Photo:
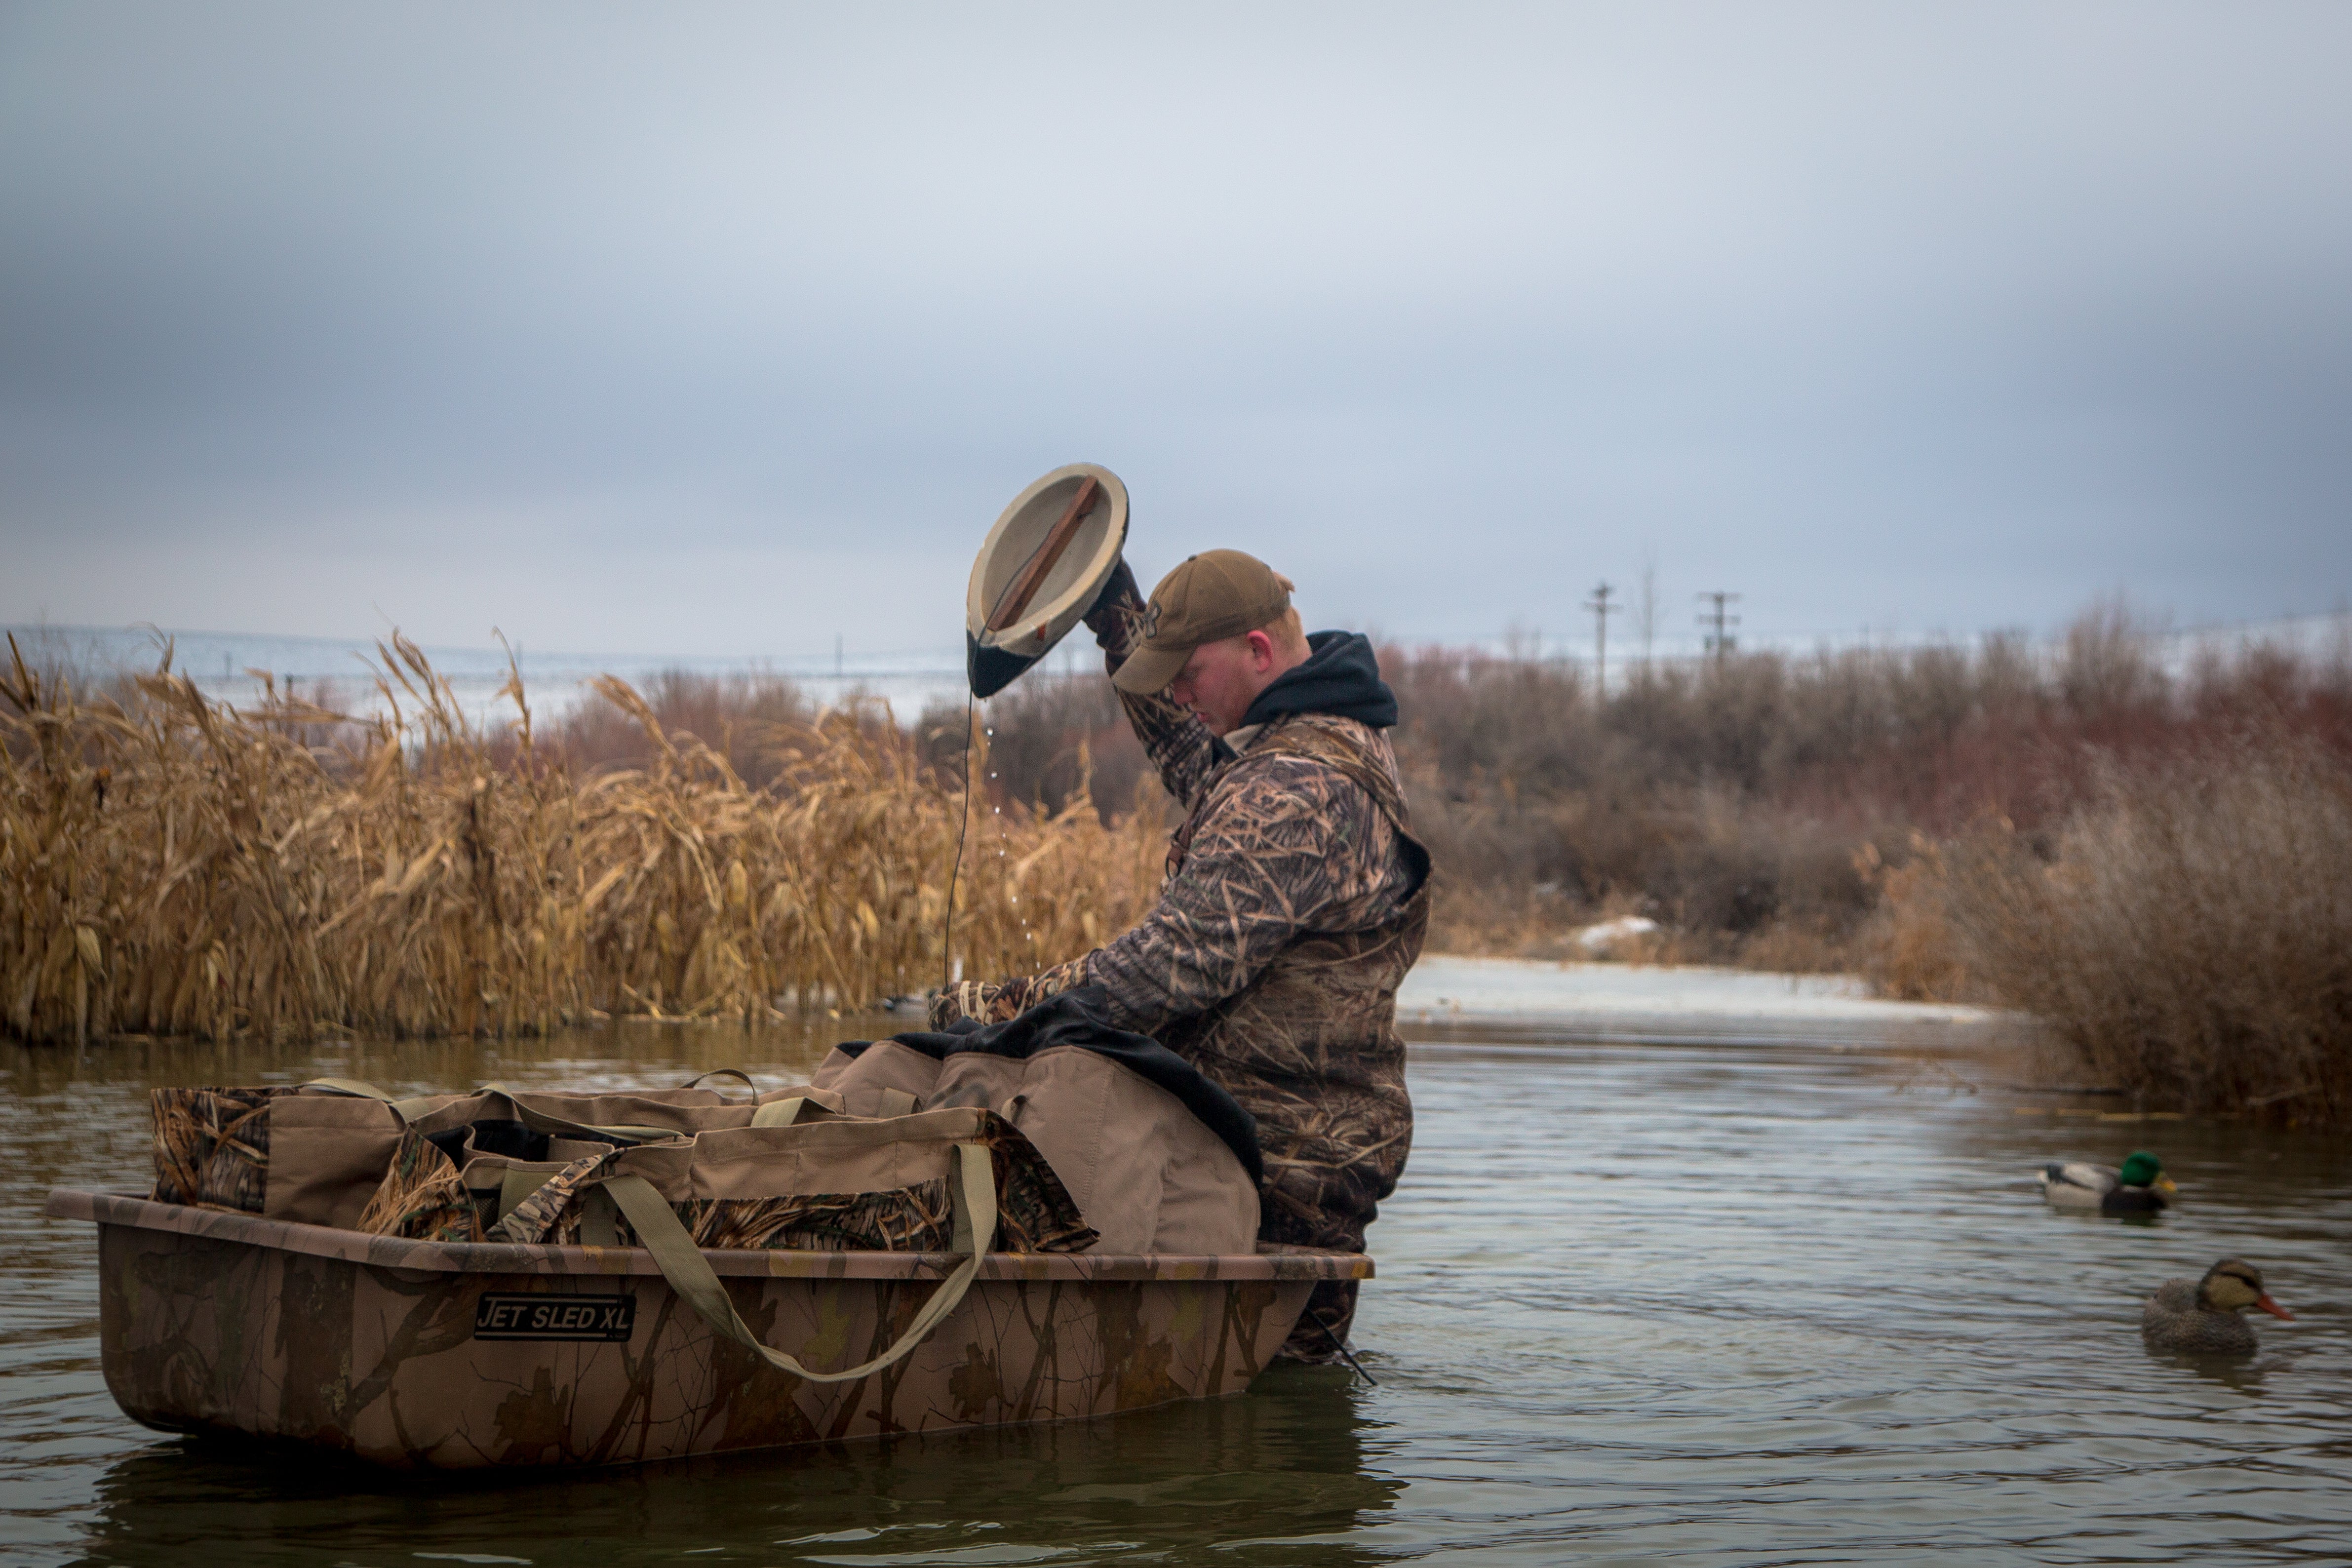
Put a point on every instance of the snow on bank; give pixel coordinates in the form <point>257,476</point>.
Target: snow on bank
<point>1667,1003</point>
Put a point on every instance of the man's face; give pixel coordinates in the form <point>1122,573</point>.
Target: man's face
<point>1221,680</point>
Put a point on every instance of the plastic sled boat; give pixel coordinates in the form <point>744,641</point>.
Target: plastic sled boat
<point>453,1355</point>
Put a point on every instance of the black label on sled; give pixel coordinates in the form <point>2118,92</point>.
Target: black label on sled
<point>603,1319</point>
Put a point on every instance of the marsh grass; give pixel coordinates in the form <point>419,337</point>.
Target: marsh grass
<point>172,865</point>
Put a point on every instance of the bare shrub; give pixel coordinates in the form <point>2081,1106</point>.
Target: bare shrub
<point>1678,798</point>
<point>2105,666</point>
<point>743,717</point>
<point>1908,949</point>
<point>1769,808</point>
<point>2192,938</point>
<point>1053,738</point>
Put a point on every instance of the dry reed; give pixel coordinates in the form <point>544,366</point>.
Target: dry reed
<point>170,865</point>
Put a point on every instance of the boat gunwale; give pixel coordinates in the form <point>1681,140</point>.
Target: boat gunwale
<point>511,1258</point>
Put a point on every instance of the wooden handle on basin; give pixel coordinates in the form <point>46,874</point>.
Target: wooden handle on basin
<point>1024,586</point>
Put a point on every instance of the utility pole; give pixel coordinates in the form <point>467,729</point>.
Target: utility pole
<point>1600,607</point>
<point>1719,640</point>
<point>1645,615</point>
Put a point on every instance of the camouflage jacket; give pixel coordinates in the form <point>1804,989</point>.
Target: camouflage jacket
<point>1295,901</point>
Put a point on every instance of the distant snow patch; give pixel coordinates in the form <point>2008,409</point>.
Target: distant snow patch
<point>1601,940</point>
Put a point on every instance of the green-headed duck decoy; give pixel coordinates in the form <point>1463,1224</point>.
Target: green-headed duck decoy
<point>2140,1187</point>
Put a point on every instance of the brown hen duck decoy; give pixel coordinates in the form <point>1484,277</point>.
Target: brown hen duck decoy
<point>2201,1318</point>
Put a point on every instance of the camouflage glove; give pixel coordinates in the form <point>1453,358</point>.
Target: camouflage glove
<point>979,1000</point>
<point>1119,599</point>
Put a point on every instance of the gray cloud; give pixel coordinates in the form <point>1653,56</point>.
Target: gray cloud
<point>726,330</point>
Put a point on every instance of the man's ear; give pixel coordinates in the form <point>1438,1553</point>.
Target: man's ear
<point>1261,648</point>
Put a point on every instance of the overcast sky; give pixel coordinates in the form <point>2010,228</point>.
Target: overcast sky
<point>717,331</point>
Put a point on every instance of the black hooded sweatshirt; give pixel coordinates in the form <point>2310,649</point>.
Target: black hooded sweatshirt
<point>1340,676</point>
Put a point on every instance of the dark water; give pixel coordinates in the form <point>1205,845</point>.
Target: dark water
<point>1637,1304</point>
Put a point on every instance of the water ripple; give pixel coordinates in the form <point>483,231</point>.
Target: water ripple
<point>1718,1304</point>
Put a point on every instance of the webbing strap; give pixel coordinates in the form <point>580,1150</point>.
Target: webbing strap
<point>600,1219</point>
<point>406,1110</point>
<point>972,1194</point>
<point>517,1183</point>
<point>780,1112</point>
<point>722,1072</point>
<point>896,1102</point>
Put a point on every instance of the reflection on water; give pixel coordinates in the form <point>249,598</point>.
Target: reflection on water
<point>1718,1304</point>
<point>1283,1464</point>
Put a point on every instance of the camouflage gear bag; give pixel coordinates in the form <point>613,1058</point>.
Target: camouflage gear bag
<point>1160,1158</point>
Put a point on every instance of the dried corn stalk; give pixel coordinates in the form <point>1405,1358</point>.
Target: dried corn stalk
<point>169,865</point>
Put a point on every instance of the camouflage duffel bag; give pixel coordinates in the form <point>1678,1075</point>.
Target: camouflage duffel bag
<point>962,1181</point>
<point>1161,1159</point>
<point>674,1173</point>
<point>316,1154</point>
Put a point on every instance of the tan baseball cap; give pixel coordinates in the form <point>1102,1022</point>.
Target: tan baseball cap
<point>1215,594</point>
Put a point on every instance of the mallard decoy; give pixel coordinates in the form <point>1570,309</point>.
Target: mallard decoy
<point>2140,1187</point>
<point>2201,1318</point>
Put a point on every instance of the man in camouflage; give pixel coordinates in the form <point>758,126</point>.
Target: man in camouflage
<point>1296,896</point>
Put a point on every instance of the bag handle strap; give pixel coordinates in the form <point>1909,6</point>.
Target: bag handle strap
<point>971,1188</point>
<point>722,1072</point>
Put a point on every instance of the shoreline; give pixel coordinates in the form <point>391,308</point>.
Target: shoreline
<point>1672,1003</point>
